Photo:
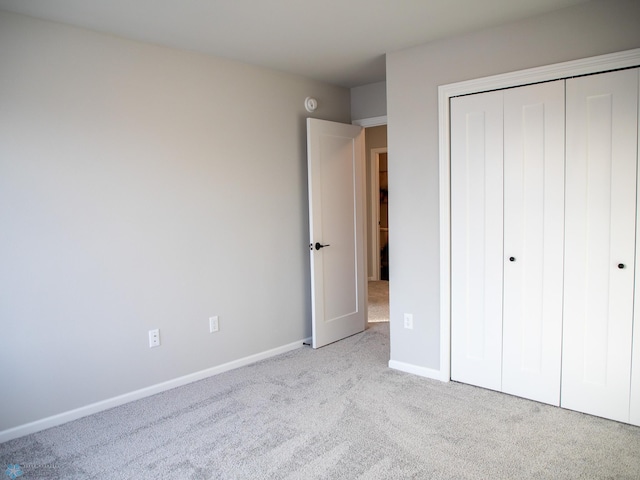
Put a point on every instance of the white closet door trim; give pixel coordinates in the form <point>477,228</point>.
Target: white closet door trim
<point>602,63</point>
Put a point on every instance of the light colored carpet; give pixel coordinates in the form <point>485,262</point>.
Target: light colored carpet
<point>378,301</point>
<point>334,413</point>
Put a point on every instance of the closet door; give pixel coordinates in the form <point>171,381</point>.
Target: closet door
<point>476,239</point>
<point>600,214</point>
<point>634,411</point>
<point>533,240</point>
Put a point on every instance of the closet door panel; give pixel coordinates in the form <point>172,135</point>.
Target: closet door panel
<point>634,412</point>
<point>477,236</point>
<point>600,235</point>
<point>533,240</point>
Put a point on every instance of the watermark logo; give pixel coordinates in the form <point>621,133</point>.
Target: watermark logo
<point>13,471</point>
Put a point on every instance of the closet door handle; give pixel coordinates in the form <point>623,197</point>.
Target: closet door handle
<point>512,259</point>
<point>621,266</point>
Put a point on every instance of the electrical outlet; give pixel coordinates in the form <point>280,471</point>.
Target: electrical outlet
<point>408,321</point>
<point>154,338</point>
<point>214,324</point>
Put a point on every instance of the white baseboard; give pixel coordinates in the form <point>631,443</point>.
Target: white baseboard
<point>55,420</point>
<point>416,370</point>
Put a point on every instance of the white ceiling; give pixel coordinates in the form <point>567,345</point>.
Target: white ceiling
<point>338,41</point>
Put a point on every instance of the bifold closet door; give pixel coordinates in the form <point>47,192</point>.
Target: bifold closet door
<point>601,157</point>
<point>476,239</point>
<point>533,241</point>
<point>634,410</point>
<point>507,184</point>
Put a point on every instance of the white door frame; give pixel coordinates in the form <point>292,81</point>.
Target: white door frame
<point>374,200</point>
<point>371,122</point>
<point>601,63</point>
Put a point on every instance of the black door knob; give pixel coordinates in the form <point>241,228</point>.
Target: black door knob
<point>512,259</point>
<point>319,245</point>
<point>621,266</point>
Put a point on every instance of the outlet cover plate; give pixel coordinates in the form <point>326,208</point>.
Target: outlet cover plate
<point>408,321</point>
<point>154,338</point>
<point>214,324</point>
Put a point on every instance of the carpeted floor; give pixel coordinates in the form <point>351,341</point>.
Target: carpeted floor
<point>334,413</point>
<point>378,301</point>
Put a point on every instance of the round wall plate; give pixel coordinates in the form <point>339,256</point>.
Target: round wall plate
<point>310,104</point>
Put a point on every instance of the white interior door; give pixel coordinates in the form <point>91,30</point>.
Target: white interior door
<point>533,240</point>
<point>602,116</point>
<point>335,154</point>
<point>476,239</point>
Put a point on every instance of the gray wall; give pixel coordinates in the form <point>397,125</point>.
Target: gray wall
<point>369,101</point>
<point>143,187</point>
<point>413,76</point>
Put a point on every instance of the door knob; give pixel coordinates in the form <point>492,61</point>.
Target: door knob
<point>621,266</point>
<point>512,259</point>
<point>319,245</point>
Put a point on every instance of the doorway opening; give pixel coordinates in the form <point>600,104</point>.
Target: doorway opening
<point>378,223</point>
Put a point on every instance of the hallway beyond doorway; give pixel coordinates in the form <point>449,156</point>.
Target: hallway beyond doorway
<point>378,301</point>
